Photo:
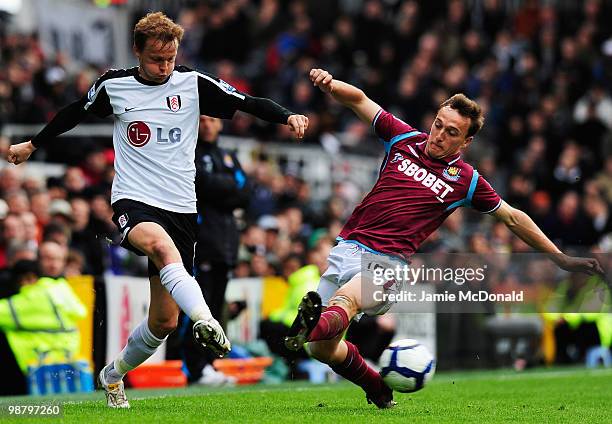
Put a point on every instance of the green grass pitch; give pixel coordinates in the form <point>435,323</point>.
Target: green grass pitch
<point>547,395</point>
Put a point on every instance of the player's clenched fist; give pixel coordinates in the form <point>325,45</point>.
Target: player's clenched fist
<point>589,266</point>
<point>298,124</point>
<point>322,79</point>
<point>18,153</point>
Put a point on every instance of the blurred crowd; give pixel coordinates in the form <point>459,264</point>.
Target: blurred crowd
<point>542,72</point>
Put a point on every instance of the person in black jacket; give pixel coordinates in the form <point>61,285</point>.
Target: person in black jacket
<point>221,188</point>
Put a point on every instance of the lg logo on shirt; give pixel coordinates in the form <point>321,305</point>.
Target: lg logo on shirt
<point>139,134</point>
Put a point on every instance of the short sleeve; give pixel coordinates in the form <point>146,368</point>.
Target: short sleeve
<point>217,98</point>
<point>391,129</point>
<point>485,198</point>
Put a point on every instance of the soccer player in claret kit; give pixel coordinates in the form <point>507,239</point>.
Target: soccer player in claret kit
<point>156,108</point>
<point>422,181</point>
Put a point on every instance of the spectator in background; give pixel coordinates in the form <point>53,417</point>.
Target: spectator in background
<point>263,200</point>
<point>32,231</point>
<point>597,211</point>
<point>75,180</point>
<point>10,181</point>
<point>93,169</point>
<point>22,274</point>
<point>568,173</point>
<point>596,103</point>
<point>56,188</point>
<point>17,202</point>
<point>452,232</point>
<point>603,180</point>
<point>20,251</point>
<point>52,259</point>
<point>590,135</point>
<point>270,224</point>
<point>260,267</point>
<point>85,239</point>
<point>75,264</point>
<point>581,317</point>
<point>540,208</point>
<point>46,303</point>
<point>40,203</point>
<point>568,225</point>
<point>58,233</point>
<point>60,211</point>
<point>252,242</point>
<point>13,239</point>
<point>274,329</point>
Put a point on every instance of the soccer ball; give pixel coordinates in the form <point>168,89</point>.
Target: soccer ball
<point>406,366</point>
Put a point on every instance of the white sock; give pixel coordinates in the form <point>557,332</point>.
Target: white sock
<point>141,344</point>
<point>185,291</point>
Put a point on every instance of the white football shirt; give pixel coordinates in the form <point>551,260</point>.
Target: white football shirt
<point>156,131</point>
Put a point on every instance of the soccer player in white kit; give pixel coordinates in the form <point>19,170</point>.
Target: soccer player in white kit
<point>156,108</point>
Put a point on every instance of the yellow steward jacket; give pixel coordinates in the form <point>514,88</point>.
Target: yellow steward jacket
<point>300,282</point>
<point>40,322</point>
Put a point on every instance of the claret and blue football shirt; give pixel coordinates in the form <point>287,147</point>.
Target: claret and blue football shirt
<point>414,192</point>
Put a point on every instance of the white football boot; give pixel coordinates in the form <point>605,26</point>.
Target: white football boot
<point>115,392</point>
<point>210,335</point>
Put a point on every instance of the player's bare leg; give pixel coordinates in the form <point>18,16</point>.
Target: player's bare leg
<point>326,344</point>
<point>142,343</point>
<point>153,240</point>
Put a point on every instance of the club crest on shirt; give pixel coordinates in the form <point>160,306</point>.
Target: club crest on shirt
<point>174,103</point>
<point>227,160</point>
<point>451,173</point>
<point>397,158</point>
<point>123,220</point>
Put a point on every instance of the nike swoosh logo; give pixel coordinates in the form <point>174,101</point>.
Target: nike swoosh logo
<point>127,109</point>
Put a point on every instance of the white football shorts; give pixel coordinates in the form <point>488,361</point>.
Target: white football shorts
<point>348,259</point>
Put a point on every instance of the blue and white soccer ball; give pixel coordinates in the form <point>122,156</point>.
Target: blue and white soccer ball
<point>406,366</point>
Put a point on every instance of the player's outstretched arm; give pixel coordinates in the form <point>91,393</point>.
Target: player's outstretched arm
<point>523,226</point>
<point>347,94</point>
<point>270,111</point>
<point>65,120</point>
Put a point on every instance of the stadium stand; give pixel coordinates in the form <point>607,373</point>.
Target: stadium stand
<point>542,71</point>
